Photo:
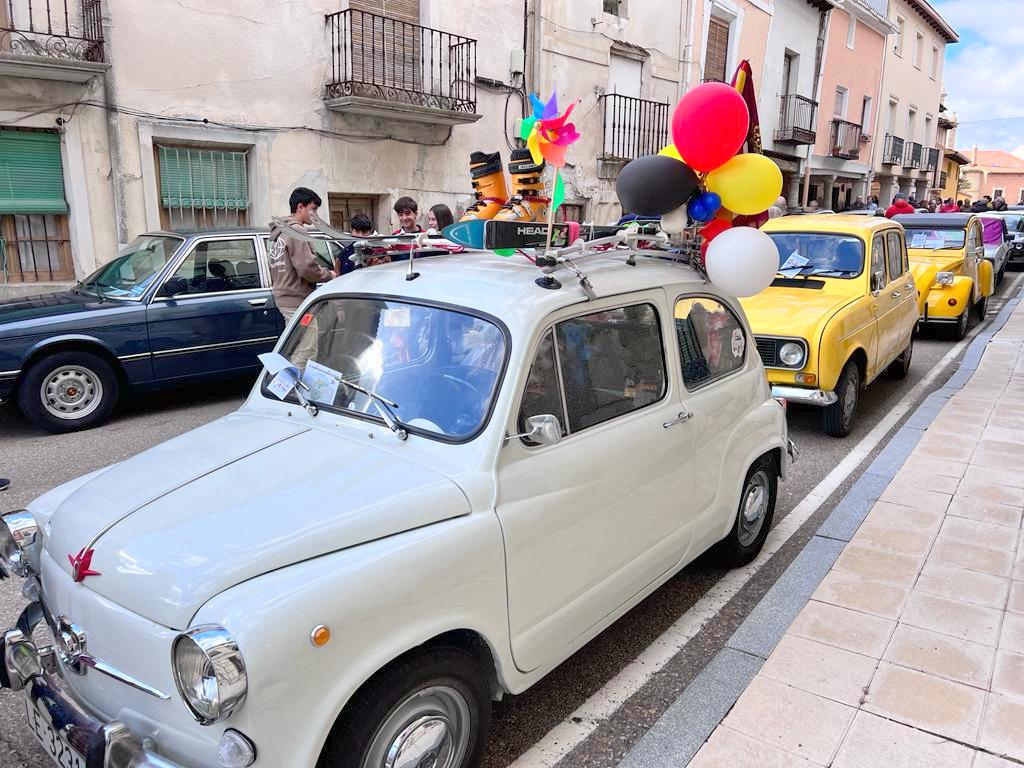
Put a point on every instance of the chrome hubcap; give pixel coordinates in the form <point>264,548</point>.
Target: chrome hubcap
<point>753,508</point>
<point>429,729</point>
<point>71,392</point>
<point>849,399</point>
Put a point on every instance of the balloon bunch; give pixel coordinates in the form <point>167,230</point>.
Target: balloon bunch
<point>700,176</point>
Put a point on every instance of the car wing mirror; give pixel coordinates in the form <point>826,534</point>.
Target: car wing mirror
<point>877,281</point>
<point>173,286</point>
<point>543,430</point>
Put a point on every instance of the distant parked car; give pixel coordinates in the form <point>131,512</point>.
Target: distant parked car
<point>1014,219</point>
<point>172,307</point>
<point>996,238</point>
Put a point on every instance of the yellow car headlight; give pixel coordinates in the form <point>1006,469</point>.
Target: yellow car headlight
<point>944,278</point>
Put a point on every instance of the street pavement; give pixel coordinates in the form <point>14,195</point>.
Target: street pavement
<point>593,709</point>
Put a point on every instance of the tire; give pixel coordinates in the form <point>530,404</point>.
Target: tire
<point>981,308</point>
<point>446,684</point>
<point>837,419</point>
<point>68,391</point>
<point>754,515</point>
<point>960,329</point>
<point>1001,274</point>
<point>900,367</point>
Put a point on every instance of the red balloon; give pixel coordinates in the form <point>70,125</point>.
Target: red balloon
<point>713,229</point>
<point>756,221</point>
<point>710,125</point>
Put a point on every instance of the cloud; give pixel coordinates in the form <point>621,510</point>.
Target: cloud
<point>983,73</point>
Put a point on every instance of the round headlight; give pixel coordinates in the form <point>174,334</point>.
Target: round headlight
<point>210,673</point>
<point>792,354</point>
<point>19,543</point>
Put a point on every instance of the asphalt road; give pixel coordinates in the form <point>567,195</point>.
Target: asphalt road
<point>37,462</point>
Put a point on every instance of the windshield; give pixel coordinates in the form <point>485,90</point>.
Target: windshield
<point>814,253</point>
<point>935,239</point>
<point>440,366</point>
<point>135,268</point>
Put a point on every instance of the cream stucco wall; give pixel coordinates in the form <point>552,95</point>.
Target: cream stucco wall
<point>794,30</point>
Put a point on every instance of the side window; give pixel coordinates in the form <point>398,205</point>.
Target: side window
<point>896,259</point>
<point>217,266</point>
<point>542,394</point>
<point>877,256</point>
<point>711,340</point>
<point>612,362</point>
<point>972,238</point>
<point>324,251</point>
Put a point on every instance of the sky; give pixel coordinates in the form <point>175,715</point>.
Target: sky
<point>984,72</point>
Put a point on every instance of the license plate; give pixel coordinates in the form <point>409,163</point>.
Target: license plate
<point>51,741</point>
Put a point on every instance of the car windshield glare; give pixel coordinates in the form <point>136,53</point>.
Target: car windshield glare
<point>935,239</point>
<point>819,253</point>
<point>135,269</point>
<point>441,366</point>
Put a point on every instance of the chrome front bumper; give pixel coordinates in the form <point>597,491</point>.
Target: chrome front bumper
<point>34,671</point>
<point>803,396</point>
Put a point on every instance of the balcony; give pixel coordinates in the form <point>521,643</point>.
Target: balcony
<point>892,151</point>
<point>796,120</point>
<point>845,140</point>
<point>394,70</point>
<point>933,159</point>
<point>912,155</point>
<point>633,127</point>
<point>52,39</point>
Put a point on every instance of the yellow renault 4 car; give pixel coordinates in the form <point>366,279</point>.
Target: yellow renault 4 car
<point>947,257</point>
<point>841,310</point>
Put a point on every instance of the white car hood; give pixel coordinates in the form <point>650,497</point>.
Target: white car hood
<point>187,519</point>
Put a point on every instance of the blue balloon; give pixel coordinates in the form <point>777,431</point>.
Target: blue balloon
<point>704,206</point>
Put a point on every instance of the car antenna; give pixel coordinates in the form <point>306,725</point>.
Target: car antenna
<point>417,243</point>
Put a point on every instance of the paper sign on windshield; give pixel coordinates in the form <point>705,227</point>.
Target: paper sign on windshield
<point>792,266</point>
<point>322,382</point>
<point>918,240</point>
<point>282,384</point>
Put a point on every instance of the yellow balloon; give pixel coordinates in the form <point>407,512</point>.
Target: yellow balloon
<point>672,152</point>
<point>748,184</point>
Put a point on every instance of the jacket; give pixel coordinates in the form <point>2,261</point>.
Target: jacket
<point>294,271</point>
<point>897,208</point>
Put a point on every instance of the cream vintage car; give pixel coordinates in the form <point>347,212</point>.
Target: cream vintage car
<point>477,475</point>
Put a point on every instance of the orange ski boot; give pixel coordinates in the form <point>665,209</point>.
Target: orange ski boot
<point>528,201</point>
<point>488,186</point>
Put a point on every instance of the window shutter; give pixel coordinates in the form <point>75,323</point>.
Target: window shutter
<point>31,176</point>
<point>203,179</point>
<point>717,51</point>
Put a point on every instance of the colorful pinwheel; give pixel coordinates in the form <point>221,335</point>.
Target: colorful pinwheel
<point>546,133</point>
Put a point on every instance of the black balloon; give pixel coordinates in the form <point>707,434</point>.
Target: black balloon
<point>655,184</point>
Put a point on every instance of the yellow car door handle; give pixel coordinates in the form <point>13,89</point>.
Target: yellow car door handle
<point>909,286</point>
<point>895,294</point>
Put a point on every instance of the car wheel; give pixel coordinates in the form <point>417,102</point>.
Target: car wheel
<point>981,308</point>
<point>755,513</point>
<point>900,367</point>
<point>429,709</point>
<point>1001,274</point>
<point>837,419</point>
<point>68,391</point>
<point>960,329</point>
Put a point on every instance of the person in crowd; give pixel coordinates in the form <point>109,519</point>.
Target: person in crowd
<point>407,211</point>
<point>979,206</point>
<point>988,202</point>
<point>294,270</point>
<point>948,206</point>
<point>873,203</point>
<point>999,204</point>
<point>963,205</point>
<point>900,205</point>
<point>858,204</point>
<point>439,217</point>
<point>813,205</point>
<point>778,208</point>
<point>361,226</point>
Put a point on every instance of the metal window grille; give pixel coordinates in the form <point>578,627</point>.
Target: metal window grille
<point>892,151</point>
<point>845,139</point>
<point>633,127</point>
<point>35,248</point>
<point>202,187</point>
<point>60,29</point>
<point>796,119</point>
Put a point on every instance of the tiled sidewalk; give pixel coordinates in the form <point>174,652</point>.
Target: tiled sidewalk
<point>911,651</point>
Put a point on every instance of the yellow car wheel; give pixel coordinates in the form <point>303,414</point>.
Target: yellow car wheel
<point>960,329</point>
<point>900,367</point>
<point>981,307</point>
<point>837,419</point>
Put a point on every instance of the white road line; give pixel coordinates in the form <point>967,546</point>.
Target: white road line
<point>565,736</point>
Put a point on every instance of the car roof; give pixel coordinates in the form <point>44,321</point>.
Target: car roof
<point>936,220</point>
<point>240,231</point>
<point>506,287</point>
<point>832,222</point>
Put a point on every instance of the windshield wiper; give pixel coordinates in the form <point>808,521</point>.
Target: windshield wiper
<point>383,405</point>
<point>97,287</point>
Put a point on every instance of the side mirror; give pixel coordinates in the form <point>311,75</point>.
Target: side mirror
<point>544,430</point>
<point>173,286</point>
<point>878,281</point>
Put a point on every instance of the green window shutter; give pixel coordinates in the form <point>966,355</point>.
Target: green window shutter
<point>31,176</point>
<point>203,179</point>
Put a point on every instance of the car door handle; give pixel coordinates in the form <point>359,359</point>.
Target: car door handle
<point>682,417</point>
<point>909,286</point>
<point>257,302</point>
<point>895,294</point>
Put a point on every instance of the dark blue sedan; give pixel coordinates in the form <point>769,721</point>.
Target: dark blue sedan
<point>170,308</point>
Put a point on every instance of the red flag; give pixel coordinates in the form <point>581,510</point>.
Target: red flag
<point>743,81</point>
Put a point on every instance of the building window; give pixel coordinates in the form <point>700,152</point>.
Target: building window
<point>934,71</point>
<point>901,25</point>
<point>927,131</point>
<point>615,7</point>
<point>918,49</point>
<point>997,192</point>
<point>911,119</point>
<point>569,212</point>
<point>851,32</point>
<point>865,117</point>
<point>840,106</point>
<point>36,243</point>
<point>202,188</point>
<point>716,55</point>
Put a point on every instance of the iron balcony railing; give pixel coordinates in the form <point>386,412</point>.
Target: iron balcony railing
<point>796,120</point>
<point>892,151</point>
<point>912,156</point>
<point>933,159</point>
<point>633,127</point>
<point>381,58</point>
<point>55,29</point>
<point>845,139</point>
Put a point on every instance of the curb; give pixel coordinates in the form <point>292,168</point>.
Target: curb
<point>688,723</point>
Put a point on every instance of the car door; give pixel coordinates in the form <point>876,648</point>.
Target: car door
<point>220,316</point>
<point>883,307</point>
<point>975,252</point>
<point>901,282</point>
<point>591,521</point>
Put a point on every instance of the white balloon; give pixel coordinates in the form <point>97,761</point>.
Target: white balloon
<point>674,222</point>
<point>742,261</point>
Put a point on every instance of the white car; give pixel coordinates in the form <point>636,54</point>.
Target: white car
<point>482,470</point>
